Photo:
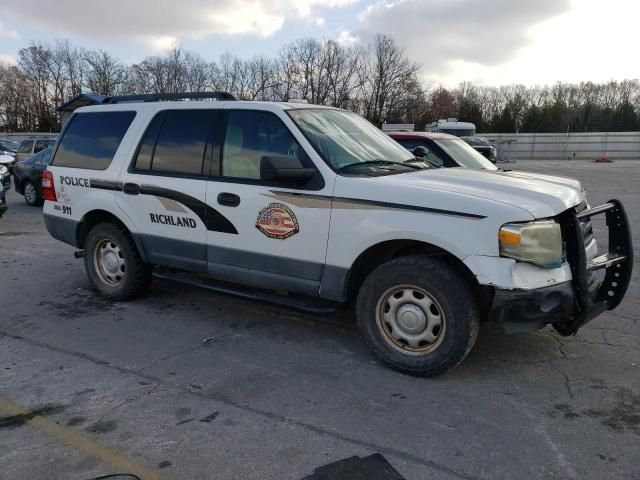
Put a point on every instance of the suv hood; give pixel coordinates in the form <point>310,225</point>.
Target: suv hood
<point>541,195</point>
<point>569,182</point>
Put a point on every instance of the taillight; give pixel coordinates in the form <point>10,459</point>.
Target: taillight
<point>48,190</point>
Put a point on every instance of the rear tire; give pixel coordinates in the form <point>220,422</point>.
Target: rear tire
<point>113,263</point>
<point>31,195</point>
<point>418,315</point>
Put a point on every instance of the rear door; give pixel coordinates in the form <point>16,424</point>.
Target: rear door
<point>280,231</point>
<point>164,189</point>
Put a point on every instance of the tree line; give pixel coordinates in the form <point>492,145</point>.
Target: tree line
<point>377,80</point>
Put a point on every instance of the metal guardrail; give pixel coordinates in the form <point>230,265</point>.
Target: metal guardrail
<point>566,146</point>
<point>19,136</point>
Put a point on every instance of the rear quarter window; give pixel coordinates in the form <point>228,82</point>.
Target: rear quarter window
<point>25,146</point>
<point>91,139</point>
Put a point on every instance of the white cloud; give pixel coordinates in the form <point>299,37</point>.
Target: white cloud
<point>347,39</point>
<point>159,44</point>
<point>8,58</point>
<point>5,32</point>
<point>152,22</point>
<point>586,43</point>
<point>441,34</point>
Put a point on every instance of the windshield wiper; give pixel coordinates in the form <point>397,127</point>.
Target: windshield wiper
<point>377,162</point>
<point>424,160</point>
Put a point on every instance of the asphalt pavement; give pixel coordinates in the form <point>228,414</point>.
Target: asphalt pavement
<point>89,387</point>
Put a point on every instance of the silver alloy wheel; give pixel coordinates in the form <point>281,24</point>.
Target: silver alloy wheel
<point>109,263</point>
<point>30,193</point>
<point>410,319</point>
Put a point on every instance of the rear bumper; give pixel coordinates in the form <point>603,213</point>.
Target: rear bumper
<point>569,305</point>
<point>63,229</point>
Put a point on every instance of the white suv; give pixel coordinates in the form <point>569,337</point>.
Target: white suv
<point>318,205</point>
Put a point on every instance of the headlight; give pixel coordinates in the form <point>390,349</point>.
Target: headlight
<point>3,170</point>
<point>539,243</point>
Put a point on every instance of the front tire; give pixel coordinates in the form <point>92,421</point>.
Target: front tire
<point>418,315</point>
<point>113,263</point>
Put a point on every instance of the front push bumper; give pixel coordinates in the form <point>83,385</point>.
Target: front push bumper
<point>569,305</point>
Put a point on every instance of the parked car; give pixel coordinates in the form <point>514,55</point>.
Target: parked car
<point>8,147</point>
<point>483,146</point>
<point>442,149</point>
<point>31,146</point>
<point>312,207</point>
<point>5,178</point>
<point>27,176</point>
<point>8,161</point>
<point>3,204</point>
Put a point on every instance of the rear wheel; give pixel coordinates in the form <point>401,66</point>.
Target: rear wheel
<point>418,315</point>
<point>31,195</point>
<point>113,263</point>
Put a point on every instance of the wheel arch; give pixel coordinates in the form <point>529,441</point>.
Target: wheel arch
<point>94,217</point>
<point>384,251</point>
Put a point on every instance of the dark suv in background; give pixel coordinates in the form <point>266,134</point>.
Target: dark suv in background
<point>31,146</point>
<point>482,146</point>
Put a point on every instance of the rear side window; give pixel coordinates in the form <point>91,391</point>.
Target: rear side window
<point>178,141</point>
<point>25,146</point>
<point>91,139</point>
<point>40,145</point>
<point>45,157</point>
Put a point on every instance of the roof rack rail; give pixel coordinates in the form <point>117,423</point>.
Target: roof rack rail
<point>85,99</point>
<point>157,97</point>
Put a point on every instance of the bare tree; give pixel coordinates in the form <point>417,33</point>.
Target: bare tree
<point>105,74</point>
<point>385,75</point>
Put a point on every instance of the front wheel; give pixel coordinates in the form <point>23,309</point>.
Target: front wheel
<point>113,263</point>
<point>418,315</point>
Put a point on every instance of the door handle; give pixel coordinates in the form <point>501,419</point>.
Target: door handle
<point>228,199</point>
<point>131,188</point>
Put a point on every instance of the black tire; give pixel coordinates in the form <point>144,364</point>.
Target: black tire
<point>454,303</point>
<point>131,278</point>
<point>31,201</point>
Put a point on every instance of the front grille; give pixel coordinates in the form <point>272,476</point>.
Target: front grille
<point>585,225</point>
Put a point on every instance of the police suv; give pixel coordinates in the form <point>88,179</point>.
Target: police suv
<point>311,207</point>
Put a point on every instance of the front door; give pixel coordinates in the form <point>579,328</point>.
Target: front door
<point>164,191</point>
<point>282,230</point>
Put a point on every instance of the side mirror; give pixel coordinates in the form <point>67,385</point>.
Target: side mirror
<point>420,151</point>
<point>284,168</point>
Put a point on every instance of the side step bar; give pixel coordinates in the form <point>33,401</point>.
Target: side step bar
<point>301,304</point>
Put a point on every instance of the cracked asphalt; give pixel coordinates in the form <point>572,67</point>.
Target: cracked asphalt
<point>89,387</point>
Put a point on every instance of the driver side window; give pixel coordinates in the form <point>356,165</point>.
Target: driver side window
<point>251,135</point>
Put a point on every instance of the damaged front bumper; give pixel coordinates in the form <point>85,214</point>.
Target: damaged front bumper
<point>569,305</point>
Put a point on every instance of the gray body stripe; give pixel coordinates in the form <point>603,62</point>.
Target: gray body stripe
<point>349,202</point>
<point>105,184</point>
<point>267,263</point>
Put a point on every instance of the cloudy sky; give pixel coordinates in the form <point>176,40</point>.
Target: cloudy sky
<point>491,42</point>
